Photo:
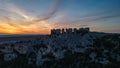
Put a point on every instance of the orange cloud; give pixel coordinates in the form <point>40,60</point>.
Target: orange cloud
<point>15,28</point>
<point>25,25</point>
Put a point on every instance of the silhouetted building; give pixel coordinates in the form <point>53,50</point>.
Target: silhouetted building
<point>55,31</point>
<point>63,31</point>
<point>69,31</point>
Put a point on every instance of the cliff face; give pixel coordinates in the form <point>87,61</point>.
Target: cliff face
<point>66,50</point>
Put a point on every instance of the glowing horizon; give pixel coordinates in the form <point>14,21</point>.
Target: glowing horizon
<point>38,17</point>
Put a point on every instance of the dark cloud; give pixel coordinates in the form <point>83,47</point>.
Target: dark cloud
<point>100,18</point>
<point>86,20</point>
<point>54,9</point>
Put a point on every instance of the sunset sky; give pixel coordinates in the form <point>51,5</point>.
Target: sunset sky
<point>39,16</point>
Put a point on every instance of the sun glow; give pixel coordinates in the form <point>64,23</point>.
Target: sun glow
<point>41,27</point>
<point>21,22</point>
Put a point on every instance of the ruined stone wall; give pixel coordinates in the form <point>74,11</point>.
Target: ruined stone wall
<point>69,30</point>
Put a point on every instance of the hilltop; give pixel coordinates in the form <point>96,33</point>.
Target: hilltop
<point>79,50</point>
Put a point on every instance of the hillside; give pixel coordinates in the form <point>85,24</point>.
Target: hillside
<point>89,50</point>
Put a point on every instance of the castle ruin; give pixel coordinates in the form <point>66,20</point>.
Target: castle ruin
<point>69,31</point>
